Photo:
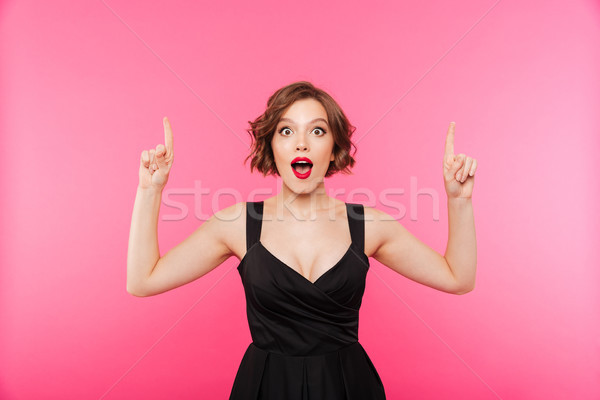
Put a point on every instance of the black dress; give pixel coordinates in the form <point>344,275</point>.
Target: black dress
<point>304,334</point>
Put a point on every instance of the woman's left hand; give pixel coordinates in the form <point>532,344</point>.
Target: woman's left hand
<point>459,170</point>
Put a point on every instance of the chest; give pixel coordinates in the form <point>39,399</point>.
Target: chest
<point>309,247</point>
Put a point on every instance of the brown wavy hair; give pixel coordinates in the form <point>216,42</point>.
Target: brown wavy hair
<point>263,128</point>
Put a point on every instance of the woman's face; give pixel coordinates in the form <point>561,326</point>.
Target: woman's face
<point>303,132</point>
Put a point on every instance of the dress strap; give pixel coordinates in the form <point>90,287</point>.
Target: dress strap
<point>356,220</point>
<point>254,211</point>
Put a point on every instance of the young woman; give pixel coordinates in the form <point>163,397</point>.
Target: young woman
<point>303,255</point>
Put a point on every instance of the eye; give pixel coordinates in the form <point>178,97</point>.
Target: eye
<point>283,129</point>
<point>323,131</point>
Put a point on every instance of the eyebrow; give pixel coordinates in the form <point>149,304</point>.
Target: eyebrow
<point>314,120</point>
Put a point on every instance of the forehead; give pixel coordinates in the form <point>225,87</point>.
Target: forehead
<point>304,111</point>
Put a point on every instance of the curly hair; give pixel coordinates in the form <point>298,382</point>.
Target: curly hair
<point>263,128</point>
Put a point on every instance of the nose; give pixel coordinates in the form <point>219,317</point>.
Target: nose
<point>301,145</point>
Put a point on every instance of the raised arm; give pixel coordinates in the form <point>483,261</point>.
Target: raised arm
<point>147,272</point>
<point>397,248</point>
<point>203,250</point>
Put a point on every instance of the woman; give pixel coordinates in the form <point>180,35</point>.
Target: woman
<point>303,255</point>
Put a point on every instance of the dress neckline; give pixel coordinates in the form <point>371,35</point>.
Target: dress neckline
<point>286,266</point>
<point>294,271</point>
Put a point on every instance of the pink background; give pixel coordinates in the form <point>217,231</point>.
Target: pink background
<point>84,88</point>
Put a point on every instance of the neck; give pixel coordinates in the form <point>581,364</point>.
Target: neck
<point>303,205</point>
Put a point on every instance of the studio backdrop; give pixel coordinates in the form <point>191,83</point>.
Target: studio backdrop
<point>85,86</point>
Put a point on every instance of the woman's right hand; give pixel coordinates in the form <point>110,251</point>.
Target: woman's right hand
<point>155,164</point>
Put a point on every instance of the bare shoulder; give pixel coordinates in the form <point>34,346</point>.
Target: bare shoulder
<point>230,223</point>
<point>376,215</point>
<point>378,225</point>
<point>231,214</point>
<point>391,244</point>
<point>213,242</point>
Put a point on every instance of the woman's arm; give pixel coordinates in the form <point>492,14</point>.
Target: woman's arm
<point>397,248</point>
<point>142,251</point>
<point>206,248</point>
<point>461,251</point>
<point>147,272</point>
<point>390,243</point>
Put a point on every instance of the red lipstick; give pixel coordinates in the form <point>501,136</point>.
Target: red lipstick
<point>302,163</point>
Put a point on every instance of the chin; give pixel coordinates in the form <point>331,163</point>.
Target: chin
<point>306,186</point>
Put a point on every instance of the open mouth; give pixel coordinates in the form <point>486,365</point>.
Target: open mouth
<point>302,167</point>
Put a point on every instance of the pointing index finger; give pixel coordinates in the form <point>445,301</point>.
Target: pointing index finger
<point>168,135</point>
<point>449,150</point>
